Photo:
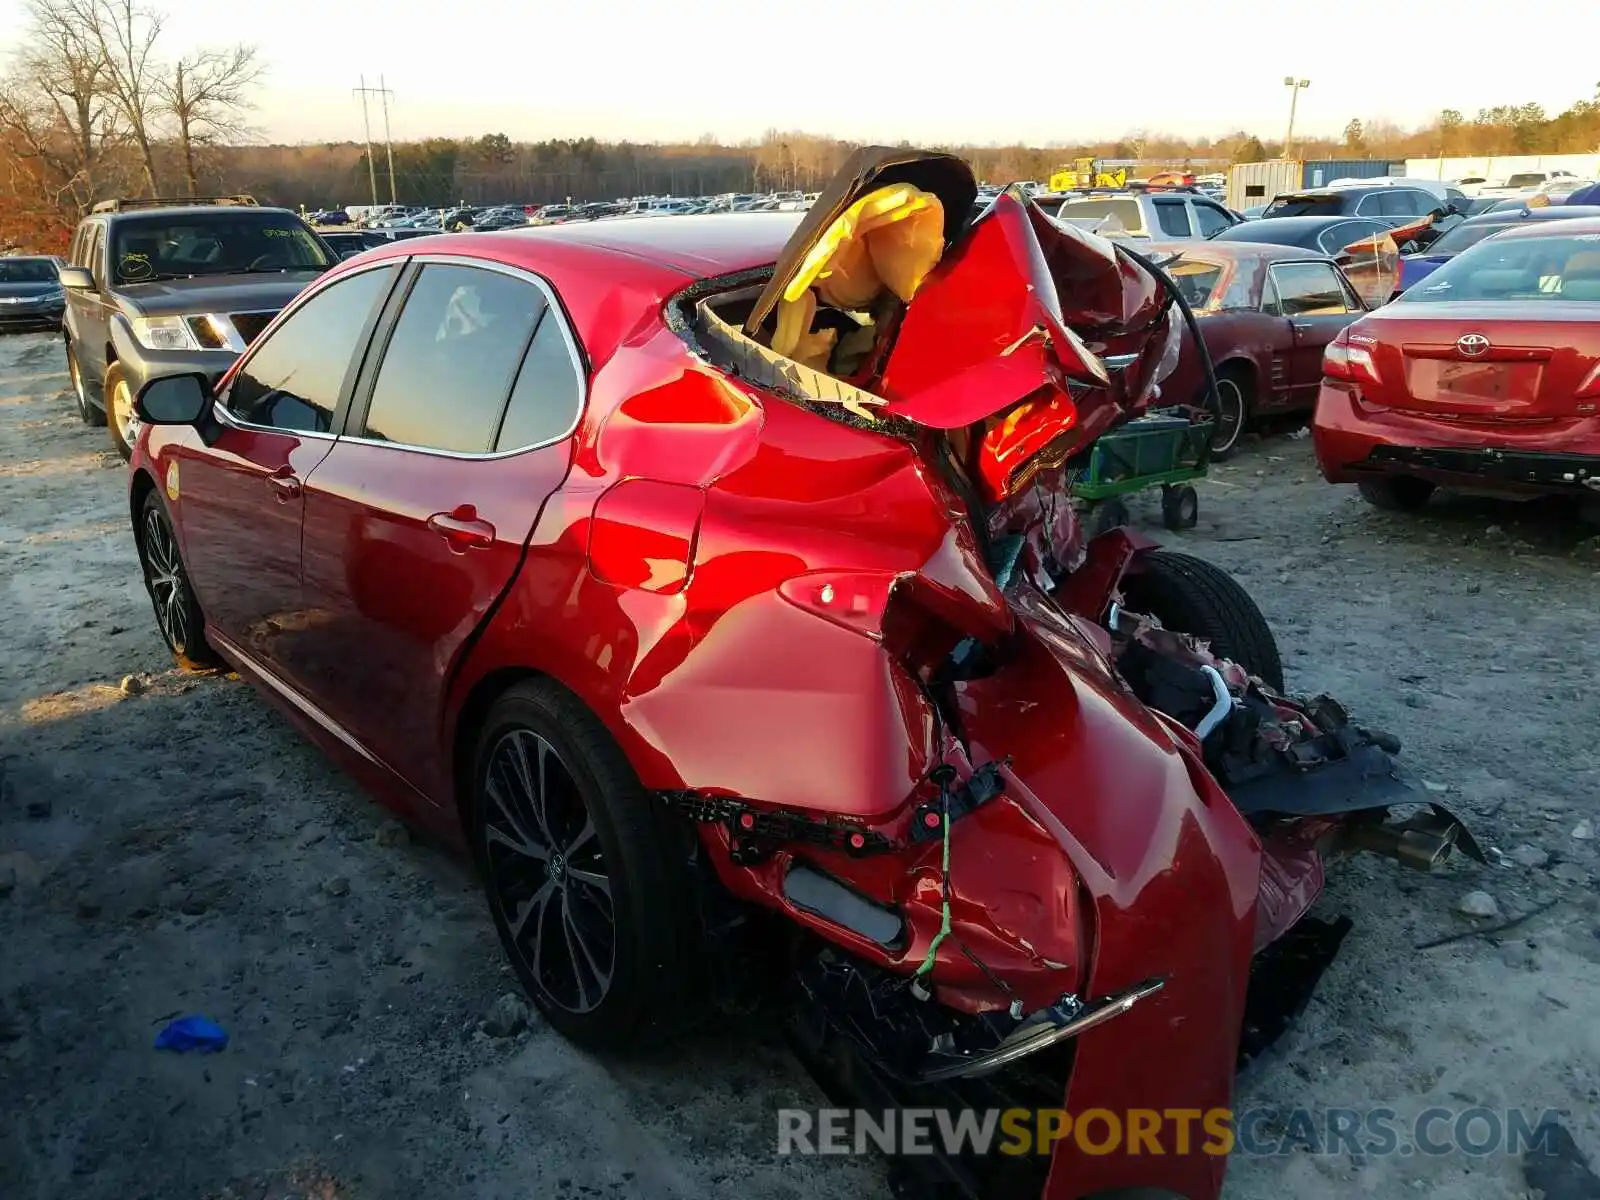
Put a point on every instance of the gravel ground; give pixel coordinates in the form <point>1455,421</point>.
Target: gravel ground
<point>180,849</point>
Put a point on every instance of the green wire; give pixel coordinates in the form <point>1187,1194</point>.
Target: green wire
<point>944,924</point>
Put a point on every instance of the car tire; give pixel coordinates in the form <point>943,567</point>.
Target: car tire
<point>120,418</point>
<point>1105,515</point>
<point>1196,597</point>
<point>601,930</point>
<point>1235,397</point>
<point>87,413</point>
<point>166,579</point>
<point>1396,493</point>
<point>1180,507</point>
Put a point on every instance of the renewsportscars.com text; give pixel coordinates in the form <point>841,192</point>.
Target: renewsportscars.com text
<point>1375,1132</point>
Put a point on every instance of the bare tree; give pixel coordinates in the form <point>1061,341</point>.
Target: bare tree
<point>206,95</point>
<point>125,33</point>
<point>65,144</point>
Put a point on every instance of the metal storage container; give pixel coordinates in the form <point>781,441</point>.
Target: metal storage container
<point>1322,172</point>
<point>1250,184</point>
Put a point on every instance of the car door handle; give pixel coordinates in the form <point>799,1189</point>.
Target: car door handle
<point>462,531</point>
<point>285,483</point>
<point>1303,326</point>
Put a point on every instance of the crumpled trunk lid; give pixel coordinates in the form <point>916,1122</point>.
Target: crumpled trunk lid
<point>1027,340</point>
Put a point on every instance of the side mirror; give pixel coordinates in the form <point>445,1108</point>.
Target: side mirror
<point>350,254</point>
<point>174,399</point>
<point>75,278</point>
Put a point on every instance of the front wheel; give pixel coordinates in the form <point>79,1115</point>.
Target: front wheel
<point>1192,596</point>
<point>120,417</point>
<point>589,883</point>
<point>178,613</point>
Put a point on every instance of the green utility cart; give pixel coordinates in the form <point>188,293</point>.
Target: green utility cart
<point>1166,448</point>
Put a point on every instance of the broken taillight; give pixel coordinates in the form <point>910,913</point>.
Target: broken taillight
<point>1344,360</point>
<point>1589,389</point>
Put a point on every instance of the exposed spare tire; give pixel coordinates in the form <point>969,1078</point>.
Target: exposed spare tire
<point>1198,598</point>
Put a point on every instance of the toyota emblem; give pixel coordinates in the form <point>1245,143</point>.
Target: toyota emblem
<point>1473,345</point>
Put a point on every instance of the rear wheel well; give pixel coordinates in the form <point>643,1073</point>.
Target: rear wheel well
<point>477,705</point>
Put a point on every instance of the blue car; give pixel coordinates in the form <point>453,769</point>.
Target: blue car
<point>1416,267</point>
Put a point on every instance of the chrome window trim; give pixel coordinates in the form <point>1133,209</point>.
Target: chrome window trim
<point>553,304</point>
<point>219,405</point>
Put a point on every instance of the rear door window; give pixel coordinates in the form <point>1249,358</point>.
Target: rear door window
<point>452,359</point>
<point>1404,202</point>
<point>1309,289</point>
<point>1173,218</point>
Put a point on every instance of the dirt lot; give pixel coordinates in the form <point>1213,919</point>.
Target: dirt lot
<point>181,850</point>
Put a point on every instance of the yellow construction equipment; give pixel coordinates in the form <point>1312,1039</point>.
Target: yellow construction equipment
<point>1086,173</point>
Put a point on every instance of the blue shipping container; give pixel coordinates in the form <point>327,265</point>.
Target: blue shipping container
<point>1324,171</point>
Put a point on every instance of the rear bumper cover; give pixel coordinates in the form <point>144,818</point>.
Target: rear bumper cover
<point>1354,442</point>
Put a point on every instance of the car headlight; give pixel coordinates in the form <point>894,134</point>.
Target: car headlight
<point>164,333</point>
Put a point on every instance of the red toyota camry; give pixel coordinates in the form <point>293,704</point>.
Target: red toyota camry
<point>715,580</point>
<point>1486,375</point>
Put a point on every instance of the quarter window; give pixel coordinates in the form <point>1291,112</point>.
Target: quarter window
<point>294,378</point>
<point>452,359</point>
<point>548,392</point>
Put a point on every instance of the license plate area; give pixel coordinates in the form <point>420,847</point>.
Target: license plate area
<point>1473,384</point>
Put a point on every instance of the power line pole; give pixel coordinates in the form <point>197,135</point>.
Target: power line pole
<point>383,94</point>
<point>366,123</point>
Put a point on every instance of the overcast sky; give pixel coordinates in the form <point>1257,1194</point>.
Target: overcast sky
<point>1004,71</point>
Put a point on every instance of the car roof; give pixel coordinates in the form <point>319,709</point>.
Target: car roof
<point>701,246</point>
<point>1305,224</point>
<point>192,210</point>
<point>1551,212</point>
<point>1584,226</point>
<point>1238,251</point>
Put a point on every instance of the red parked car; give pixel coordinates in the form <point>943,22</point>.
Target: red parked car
<point>1266,312</point>
<point>712,579</point>
<point>1485,375</point>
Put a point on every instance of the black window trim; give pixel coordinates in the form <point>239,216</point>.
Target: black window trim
<point>227,416</point>
<point>355,417</point>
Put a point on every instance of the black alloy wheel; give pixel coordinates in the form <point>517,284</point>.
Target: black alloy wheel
<point>548,877</point>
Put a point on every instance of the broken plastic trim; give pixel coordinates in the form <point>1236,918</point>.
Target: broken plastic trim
<point>984,785</point>
<point>745,822</point>
<point>1064,1020</point>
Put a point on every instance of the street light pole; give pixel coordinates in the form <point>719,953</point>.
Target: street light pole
<point>1294,85</point>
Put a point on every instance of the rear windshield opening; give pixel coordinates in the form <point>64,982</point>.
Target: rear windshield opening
<point>1117,214</point>
<point>1305,206</point>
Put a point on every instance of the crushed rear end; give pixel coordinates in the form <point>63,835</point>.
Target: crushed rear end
<point>1062,852</point>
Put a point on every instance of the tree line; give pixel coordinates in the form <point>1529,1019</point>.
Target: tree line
<point>94,104</point>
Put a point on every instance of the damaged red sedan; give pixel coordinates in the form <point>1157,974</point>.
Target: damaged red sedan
<point>714,581</point>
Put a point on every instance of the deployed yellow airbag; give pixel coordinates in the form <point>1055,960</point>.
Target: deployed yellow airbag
<point>794,337</point>
<point>891,237</point>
